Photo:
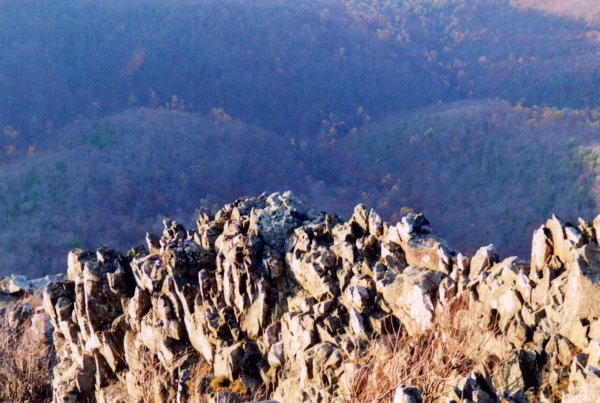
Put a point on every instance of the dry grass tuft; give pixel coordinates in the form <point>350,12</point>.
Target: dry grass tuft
<point>238,387</point>
<point>220,383</point>
<point>152,383</point>
<point>26,358</point>
<point>199,381</point>
<point>432,361</point>
<point>223,384</point>
<point>148,381</point>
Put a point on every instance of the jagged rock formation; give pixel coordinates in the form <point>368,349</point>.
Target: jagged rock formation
<point>272,294</point>
<point>14,287</point>
<point>17,285</point>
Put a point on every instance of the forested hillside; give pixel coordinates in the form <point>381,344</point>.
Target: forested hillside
<point>472,165</point>
<point>282,65</point>
<point>114,115</point>
<point>469,165</point>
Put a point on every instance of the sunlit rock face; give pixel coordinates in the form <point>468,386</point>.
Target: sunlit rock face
<point>280,297</point>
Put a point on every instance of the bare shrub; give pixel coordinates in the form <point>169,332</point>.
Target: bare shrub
<point>26,358</point>
<point>432,361</point>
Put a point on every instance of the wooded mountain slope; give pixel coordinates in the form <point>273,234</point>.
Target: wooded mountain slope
<point>113,114</point>
<point>469,165</point>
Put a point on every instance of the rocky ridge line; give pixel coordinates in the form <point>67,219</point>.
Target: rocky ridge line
<point>271,293</point>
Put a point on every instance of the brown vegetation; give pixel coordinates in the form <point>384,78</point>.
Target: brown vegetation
<point>150,382</point>
<point>149,376</point>
<point>433,362</point>
<point>26,359</point>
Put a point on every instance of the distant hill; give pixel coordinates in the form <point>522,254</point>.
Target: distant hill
<point>282,65</point>
<point>588,10</point>
<point>466,165</point>
<point>113,114</point>
<point>470,165</point>
<point>112,179</point>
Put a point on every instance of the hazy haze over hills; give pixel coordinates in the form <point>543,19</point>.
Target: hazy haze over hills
<point>118,114</point>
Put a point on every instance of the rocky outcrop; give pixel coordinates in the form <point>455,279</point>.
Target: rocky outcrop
<point>273,296</point>
<point>14,288</point>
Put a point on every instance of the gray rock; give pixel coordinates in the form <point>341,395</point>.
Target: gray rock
<point>18,284</point>
<point>408,395</point>
<point>269,292</point>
